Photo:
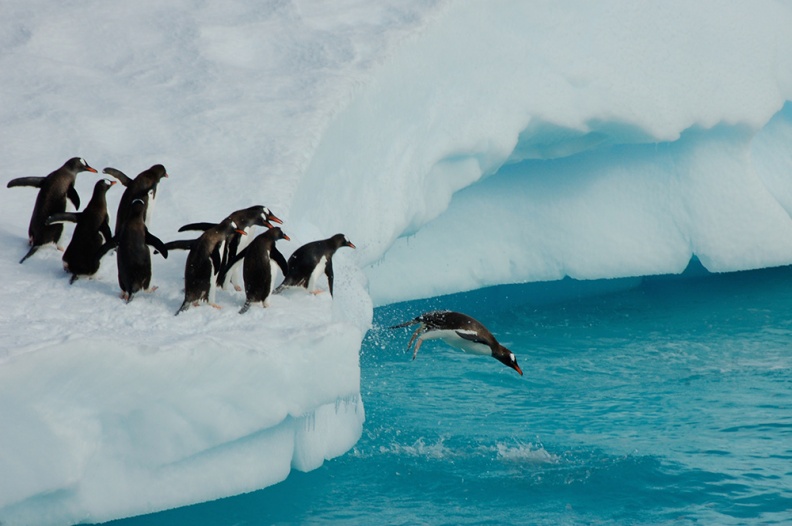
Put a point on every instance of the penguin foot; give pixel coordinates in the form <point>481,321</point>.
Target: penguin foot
<point>237,288</point>
<point>124,296</point>
<point>60,248</point>
<point>216,306</point>
<point>152,289</point>
<point>317,292</point>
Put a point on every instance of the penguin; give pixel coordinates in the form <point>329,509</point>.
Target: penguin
<point>81,257</point>
<point>143,187</point>
<point>245,219</point>
<point>203,263</point>
<point>460,331</point>
<point>259,267</point>
<point>309,262</point>
<point>54,189</point>
<point>133,257</point>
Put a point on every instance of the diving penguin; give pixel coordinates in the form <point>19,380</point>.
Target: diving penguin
<point>460,331</point>
<point>54,189</point>
<point>82,255</point>
<point>309,261</point>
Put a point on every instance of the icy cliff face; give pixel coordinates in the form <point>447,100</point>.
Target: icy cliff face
<point>521,141</point>
<point>458,145</point>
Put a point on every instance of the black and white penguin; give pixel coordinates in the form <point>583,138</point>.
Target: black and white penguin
<point>133,256</point>
<point>203,265</point>
<point>309,261</point>
<point>143,187</point>
<point>460,331</point>
<point>54,189</point>
<point>259,267</point>
<point>82,255</point>
<point>245,219</point>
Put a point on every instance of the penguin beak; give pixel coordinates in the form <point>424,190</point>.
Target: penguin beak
<point>287,238</point>
<point>350,245</point>
<point>91,169</point>
<point>240,232</point>
<point>274,219</point>
<point>517,368</point>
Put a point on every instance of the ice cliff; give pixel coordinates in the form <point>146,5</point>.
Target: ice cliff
<point>457,144</point>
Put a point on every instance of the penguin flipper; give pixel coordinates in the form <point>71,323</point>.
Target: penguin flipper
<point>105,230</point>
<point>179,244</point>
<point>155,242</point>
<point>236,259</point>
<point>32,251</point>
<point>62,217</point>
<point>118,174</point>
<point>109,245</point>
<point>26,181</point>
<point>471,336</point>
<point>74,197</point>
<point>279,259</point>
<point>329,274</point>
<point>197,226</point>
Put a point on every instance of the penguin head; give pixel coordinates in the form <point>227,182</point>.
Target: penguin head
<point>233,227</point>
<point>340,240</point>
<point>267,218</point>
<point>77,165</point>
<point>277,233</point>
<point>506,357</point>
<point>157,172</point>
<point>102,185</point>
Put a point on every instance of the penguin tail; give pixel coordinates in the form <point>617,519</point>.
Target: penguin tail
<point>32,251</point>
<point>405,324</point>
<point>244,308</point>
<point>73,279</point>
<point>184,307</point>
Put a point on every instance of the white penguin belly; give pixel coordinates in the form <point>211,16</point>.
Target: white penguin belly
<point>317,272</point>
<point>455,340</point>
<point>152,201</point>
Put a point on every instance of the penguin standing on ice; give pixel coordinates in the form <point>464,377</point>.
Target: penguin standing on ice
<point>259,267</point>
<point>203,263</point>
<point>92,231</point>
<point>311,260</point>
<point>143,187</point>
<point>245,219</point>
<point>133,257</point>
<point>460,331</point>
<point>54,189</point>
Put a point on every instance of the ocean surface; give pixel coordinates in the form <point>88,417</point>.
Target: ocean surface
<point>664,400</point>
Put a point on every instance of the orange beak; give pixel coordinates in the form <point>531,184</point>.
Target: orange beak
<point>287,238</point>
<point>274,219</point>
<point>241,232</point>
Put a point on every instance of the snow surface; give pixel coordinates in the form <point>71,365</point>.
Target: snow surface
<point>457,144</point>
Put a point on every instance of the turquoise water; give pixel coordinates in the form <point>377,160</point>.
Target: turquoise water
<point>655,401</point>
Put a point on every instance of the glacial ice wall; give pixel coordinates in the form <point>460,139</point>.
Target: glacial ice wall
<point>524,141</point>
<point>458,144</point>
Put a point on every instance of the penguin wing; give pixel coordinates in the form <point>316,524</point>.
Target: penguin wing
<point>241,254</point>
<point>118,174</point>
<point>155,242</point>
<point>74,197</point>
<point>279,259</point>
<point>36,182</point>
<point>62,217</point>
<point>105,229</point>
<point>471,336</point>
<point>107,247</point>
<point>329,274</point>
<point>179,244</point>
<point>197,226</point>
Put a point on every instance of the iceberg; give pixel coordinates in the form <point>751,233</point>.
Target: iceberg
<point>459,145</point>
